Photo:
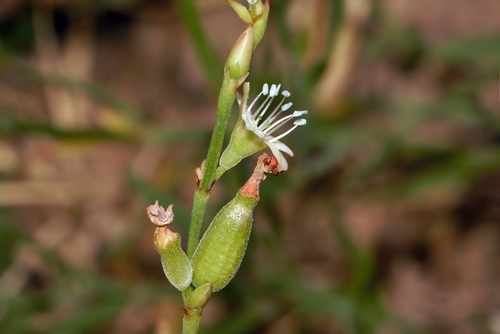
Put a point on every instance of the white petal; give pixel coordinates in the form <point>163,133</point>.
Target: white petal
<point>282,147</point>
<point>282,163</point>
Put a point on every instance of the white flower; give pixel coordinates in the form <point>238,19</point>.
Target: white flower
<point>264,123</point>
<point>256,128</point>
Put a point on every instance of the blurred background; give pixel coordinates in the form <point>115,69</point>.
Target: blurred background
<point>387,221</point>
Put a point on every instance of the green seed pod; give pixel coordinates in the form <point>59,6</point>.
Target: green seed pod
<point>221,250</point>
<point>223,245</point>
<point>174,261</point>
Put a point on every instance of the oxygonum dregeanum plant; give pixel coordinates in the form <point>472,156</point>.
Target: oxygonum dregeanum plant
<point>211,263</point>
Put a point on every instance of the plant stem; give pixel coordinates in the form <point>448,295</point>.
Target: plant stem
<point>186,293</point>
<point>202,194</point>
<point>225,103</point>
<point>200,202</point>
<point>190,321</point>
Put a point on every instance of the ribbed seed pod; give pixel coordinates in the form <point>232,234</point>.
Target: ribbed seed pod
<point>221,250</point>
<point>174,261</point>
<point>223,246</point>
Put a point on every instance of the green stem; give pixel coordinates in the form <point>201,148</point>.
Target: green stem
<point>191,321</point>
<point>186,293</point>
<point>202,194</point>
<point>200,202</point>
<point>226,100</point>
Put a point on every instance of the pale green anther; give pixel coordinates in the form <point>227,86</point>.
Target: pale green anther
<point>241,10</point>
<point>238,62</point>
<point>221,250</point>
<point>200,296</point>
<point>174,261</point>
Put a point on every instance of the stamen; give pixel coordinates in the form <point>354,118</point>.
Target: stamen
<point>284,134</point>
<point>267,103</point>
<point>284,120</point>
<point>255,100</point>
<point>278,124</point>
<point>286,106</point>
<point>271,123</point>
<point>274,90</point>
<point>299,113</point>
<point>273,115</point>
<point>265,89</point>
<point>263,107</point>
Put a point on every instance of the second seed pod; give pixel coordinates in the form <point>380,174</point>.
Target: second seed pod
<point>221,250</point>
<point>223,245</point>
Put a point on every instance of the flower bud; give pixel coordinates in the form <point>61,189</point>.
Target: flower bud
<point>200,296</point>
<point>221,250</point>
<point>260,13</point>
<point>241,10</point>
<point>239,59</point>
<point>174,261</point>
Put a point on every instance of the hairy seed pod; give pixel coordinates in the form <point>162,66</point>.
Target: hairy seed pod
<point>174,261</point>
<point>223,245</point>
<point>221,250</point>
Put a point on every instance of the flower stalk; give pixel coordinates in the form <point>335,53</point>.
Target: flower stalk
<point>211,263</point>
<point>235,72</point>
